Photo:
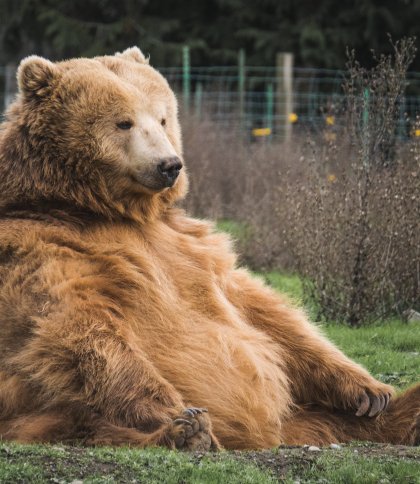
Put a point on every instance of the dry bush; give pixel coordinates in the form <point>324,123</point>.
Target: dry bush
<point>356,233</point>
<point>231,178</point>
<point>358,249</point>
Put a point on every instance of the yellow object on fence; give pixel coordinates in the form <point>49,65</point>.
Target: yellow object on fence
<point>261,131</point>
<point>293,117</point>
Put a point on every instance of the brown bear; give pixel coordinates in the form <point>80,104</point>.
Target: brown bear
<point>124,321</point>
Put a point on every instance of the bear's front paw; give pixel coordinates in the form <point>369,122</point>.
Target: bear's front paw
<point>372,399</point>
<point>192,431</point>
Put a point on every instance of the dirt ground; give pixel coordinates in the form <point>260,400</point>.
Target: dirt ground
<point>290,458</point>
<point>72,464</point>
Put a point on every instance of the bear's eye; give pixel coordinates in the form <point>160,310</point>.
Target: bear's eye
<point>163,122</point>
<point>125,125</point>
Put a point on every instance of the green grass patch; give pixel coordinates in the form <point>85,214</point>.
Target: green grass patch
<point>390,351</point>
<point>358,463</point>
<point>347,466</point>
<point>237,230</point>
<point>38,464</point>
<point>289,284</point>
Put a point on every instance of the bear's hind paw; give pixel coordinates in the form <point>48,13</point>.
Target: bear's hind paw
<point>192,431</point>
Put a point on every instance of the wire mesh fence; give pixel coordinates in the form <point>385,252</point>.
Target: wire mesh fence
<point>218,89</point>
<point>253,99</point>
<point>317,98</point>
<point>2,89</point>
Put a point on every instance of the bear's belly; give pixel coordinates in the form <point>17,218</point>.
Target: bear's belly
<point>233,370</point>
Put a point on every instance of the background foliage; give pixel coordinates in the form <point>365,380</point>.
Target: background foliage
<point>316,32</point>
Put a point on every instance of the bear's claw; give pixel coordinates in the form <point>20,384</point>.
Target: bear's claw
<point>191,431</point>
<point>192,411</point>
<point>372,405</point>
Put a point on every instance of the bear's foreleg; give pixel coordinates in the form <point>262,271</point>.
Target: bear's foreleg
<point>398,424</point>
<point>318,371</point>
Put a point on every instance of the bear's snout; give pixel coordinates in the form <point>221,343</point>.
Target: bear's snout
<point>168,169</point>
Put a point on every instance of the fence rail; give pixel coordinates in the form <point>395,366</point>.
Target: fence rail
<point>249,99</point>
<point>317,94</point>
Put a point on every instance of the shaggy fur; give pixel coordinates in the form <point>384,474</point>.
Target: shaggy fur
<point>118,312</point>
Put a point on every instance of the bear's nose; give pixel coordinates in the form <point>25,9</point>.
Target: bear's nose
<point>169,169</point>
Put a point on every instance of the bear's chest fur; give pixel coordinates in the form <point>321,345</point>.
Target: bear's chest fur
<point>184,322</point>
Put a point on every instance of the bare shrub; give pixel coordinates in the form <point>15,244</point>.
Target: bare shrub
<point>231,178</point>
<point>356,233</point>
<point>358,250</point>
<point>373,100</point>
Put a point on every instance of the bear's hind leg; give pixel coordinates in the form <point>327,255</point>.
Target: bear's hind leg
<point>40,428</point>
<point>190,431</point>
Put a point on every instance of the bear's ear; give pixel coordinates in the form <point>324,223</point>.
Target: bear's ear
<point>133,54</point>
<point>35,76</point>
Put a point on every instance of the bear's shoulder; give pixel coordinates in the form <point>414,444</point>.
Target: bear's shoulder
<point>26,236</point>
<point>206,238</point>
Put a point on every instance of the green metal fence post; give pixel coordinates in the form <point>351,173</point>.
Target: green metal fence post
<point>269,97</point>
<point>365,108</point>
<point>365,121</point>
<point>241,86</point>
<point>186,76</point>
<point>198,97</point>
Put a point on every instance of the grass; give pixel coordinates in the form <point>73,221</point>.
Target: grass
<point>38,464</point>
<point>238,231</point>
<point>289,284</point>
<point>348,467</point>
<point>390,351</point>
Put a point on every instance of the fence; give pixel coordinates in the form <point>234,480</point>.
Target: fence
<point>2,88</point>
<point>255,104</point>
<point>217,93</point>
<point>254,100</point>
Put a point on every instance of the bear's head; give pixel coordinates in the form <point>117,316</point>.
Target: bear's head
<point>100,134</point>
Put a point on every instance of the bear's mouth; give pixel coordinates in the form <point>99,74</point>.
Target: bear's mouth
<point>162,175</point>
<point>152,184</point>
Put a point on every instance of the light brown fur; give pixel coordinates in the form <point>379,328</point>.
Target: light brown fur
<point>117,310</point>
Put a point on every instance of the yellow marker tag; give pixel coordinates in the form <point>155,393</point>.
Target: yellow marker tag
<point>331,178</point>
<point>261,131</point>
<point>417,132</point>
<point>330,120</point>
<point>293,117</point>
